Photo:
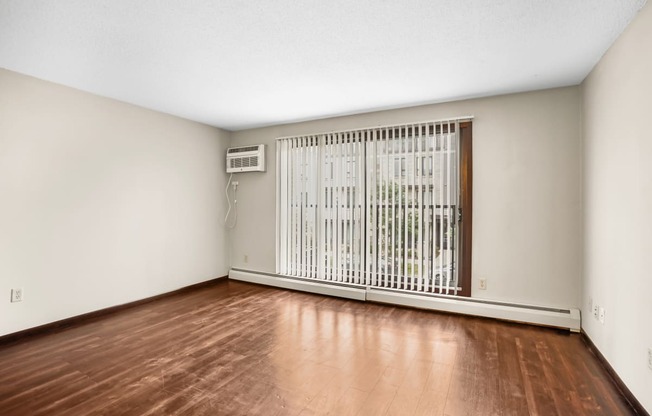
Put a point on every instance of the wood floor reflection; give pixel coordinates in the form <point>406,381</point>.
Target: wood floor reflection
<point>242,349</point>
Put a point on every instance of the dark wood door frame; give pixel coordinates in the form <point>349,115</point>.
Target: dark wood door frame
<point>466,207</point>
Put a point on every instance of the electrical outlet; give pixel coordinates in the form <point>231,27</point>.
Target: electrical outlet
<point>17,295</point>
<point>649,358</point>
<point>601,314</point>
<point>483,284</point>
<point>595,311</point>
<point>246,258</point>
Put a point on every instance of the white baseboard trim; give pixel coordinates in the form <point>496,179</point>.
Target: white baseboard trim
<point>295,284</point>
<point>569,318</point>
<point>559,318</point>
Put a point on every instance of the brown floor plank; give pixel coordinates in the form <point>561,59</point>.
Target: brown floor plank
<point>242,349</point>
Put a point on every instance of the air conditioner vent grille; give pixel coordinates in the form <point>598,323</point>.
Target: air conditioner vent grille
<point>244,162</point>
<point>245,159</point>
<point>235,150</point>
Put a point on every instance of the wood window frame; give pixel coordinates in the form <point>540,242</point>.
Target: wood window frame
<point>466,207</point>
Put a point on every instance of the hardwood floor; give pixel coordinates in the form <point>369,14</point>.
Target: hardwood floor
<point>242,349</point>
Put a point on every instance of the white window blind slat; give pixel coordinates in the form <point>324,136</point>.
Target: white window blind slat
<point>448,213</point>
<point>392,223</point>
<point>440,194</point>
<point>358,206</point>
<point>296,251</point>
<point>384,191</point>
<point>414,196</point>
<point>427,170</point>
<point>302,229</point>
<point>321,210</point>
<point>420,212</point>
<point>346,224</point>
<point>329,209</point>
<point>326,172</point>
<point>371,221</point>
<point>338,210</point>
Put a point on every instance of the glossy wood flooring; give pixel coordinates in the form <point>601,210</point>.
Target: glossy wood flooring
<point>241,349</point>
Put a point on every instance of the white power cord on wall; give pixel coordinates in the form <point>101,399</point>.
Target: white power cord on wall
<point>235,203</point>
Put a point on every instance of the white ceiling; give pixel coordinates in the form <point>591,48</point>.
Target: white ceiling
<point>239,64</point>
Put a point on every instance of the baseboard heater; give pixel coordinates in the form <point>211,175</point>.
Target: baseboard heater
<point>531,314</point>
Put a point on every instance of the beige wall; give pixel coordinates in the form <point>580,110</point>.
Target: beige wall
<point>526,235</point>
<point>101,202</point>
<point>617,106</point>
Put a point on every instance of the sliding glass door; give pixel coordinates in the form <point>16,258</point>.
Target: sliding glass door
<point>376,207</point>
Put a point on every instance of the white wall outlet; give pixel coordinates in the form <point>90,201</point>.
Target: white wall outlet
<point>246,258</point>
<point>17,295</point>
<point>595,311</point>
<point>483,284</point>
<point>649,358</point>
<point>601,314</point>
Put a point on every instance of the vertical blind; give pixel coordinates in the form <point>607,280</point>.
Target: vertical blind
<point>376,207</point>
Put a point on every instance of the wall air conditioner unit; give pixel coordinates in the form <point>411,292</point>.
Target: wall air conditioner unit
<point>245,159</point>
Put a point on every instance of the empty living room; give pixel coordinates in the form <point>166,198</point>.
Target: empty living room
<point>325,208</point>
